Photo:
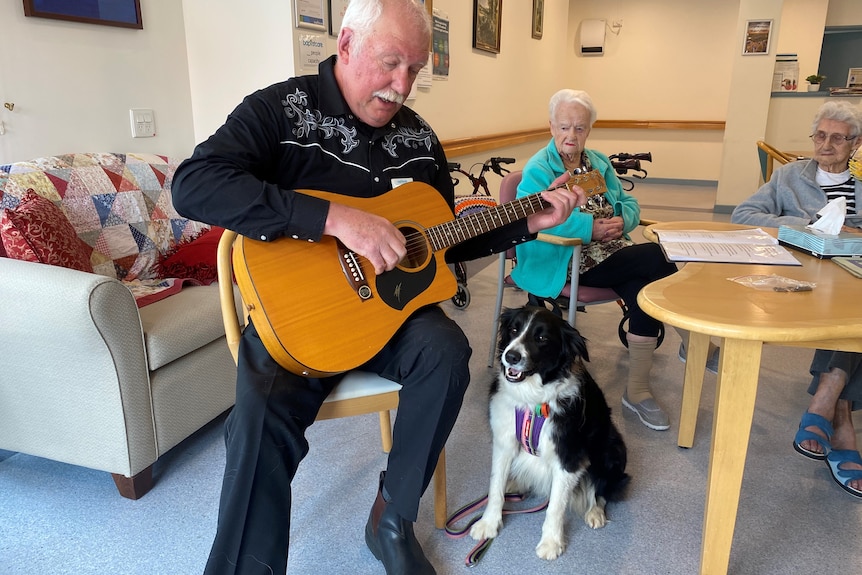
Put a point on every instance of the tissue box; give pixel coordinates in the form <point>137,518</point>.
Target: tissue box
<point>820,244</point>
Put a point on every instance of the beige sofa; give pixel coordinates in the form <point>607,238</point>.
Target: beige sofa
<point>86,376</point>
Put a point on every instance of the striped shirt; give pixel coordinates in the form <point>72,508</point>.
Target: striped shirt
<point>838,186</point>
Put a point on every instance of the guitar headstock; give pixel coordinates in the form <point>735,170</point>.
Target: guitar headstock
<point>591,182</point>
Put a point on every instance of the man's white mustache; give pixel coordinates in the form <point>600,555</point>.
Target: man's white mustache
<point>390,96</point>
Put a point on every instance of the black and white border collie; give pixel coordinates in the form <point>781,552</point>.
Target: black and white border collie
<point>551,427</point>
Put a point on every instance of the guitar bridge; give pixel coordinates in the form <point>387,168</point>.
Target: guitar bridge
<point>352,270</point>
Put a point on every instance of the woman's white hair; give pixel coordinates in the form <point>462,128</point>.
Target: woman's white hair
<point>840,111</point>
<point>568,96</point>
<point>362,15</point>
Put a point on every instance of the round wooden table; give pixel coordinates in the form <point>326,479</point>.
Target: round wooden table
<point>700,298</point>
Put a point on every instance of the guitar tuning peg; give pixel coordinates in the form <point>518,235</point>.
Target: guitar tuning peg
<point>9,105</point>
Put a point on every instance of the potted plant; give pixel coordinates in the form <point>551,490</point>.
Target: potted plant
<point>814,81</point>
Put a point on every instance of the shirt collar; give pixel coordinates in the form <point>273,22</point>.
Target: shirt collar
<point>332,102</point>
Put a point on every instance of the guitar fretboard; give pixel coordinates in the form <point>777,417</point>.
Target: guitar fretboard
<point>459,230</point>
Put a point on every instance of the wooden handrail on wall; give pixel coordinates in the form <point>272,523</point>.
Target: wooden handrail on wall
<point>474,145</point>
<point>465,146</point>
<point>661,124</point>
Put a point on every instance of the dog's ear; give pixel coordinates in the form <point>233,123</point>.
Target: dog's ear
<point>506,315</point>
<point>575,343</point>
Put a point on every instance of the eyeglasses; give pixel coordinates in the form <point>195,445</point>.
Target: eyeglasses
<point>834,139</point>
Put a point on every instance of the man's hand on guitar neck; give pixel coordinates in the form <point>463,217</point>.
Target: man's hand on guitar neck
<point>371,236</point>
<point>562,199</point>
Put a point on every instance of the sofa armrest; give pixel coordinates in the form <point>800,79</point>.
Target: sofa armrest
<point>73,371</point>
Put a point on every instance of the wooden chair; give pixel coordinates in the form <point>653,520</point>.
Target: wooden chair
<point>768,155</point>
<point>585,295</point>
<point>358,393</point>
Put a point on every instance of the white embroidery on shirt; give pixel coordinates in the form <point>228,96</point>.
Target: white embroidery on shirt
<point>295,106</point>
<point>411,138</point>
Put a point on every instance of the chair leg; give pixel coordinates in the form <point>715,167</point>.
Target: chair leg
<point>136,486</point>
<point>385,431</point>
<point>439,481</point>
<point>498,306</point>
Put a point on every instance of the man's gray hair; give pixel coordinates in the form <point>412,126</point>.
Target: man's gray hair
<point>840,111</point>
<point>362,15</point>
<point>568,96</point>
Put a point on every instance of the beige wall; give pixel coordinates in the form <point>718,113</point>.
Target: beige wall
<point>234,48</point>
<point>74,83</point>
<point>670,60</point>
<point>664,65</point>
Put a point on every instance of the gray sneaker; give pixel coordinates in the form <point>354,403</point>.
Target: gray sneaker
<point>649,413</point>
<point>711,361</point>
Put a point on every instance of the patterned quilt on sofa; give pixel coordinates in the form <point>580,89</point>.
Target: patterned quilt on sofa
<point>119,204</point>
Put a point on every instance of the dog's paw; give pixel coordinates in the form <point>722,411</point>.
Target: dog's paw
<point>486,529</point>
<point>550,547</point>
<point>595,518</point>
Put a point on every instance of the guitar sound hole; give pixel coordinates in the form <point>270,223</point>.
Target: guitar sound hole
<point>417,248</point>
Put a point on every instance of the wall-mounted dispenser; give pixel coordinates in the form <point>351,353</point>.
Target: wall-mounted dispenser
<point>592,37</point>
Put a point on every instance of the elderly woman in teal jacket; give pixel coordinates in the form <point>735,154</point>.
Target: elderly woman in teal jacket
<point>610,258</point>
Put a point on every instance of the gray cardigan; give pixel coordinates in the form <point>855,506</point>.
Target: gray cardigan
<point>793,193</point>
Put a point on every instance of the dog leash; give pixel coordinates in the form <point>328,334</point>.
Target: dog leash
<point>477,552</point>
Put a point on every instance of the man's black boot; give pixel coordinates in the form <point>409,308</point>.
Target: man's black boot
<point>390,538</point>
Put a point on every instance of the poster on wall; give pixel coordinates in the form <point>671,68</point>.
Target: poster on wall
<point>309,14</point>
<point>312,50</point>
<point>423,79</point>
<point>440,46</point>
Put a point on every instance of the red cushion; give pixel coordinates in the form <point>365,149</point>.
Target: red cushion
<point>195,259</point>
<point>37,231</point>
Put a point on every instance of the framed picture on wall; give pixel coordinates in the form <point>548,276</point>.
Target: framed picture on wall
<point>757,35</point>
<point>538,14</point>
<point>122,13</point>
<point>336,15</point>
<point>487,17</point>
<point>309,14</point>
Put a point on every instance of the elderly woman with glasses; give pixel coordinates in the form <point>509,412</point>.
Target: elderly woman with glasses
<point>794,195</point>
<point>798,190</point>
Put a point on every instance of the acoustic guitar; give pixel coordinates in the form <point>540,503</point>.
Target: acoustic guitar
<point>320,309</point>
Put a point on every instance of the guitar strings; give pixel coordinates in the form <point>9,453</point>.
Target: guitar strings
<point>418,242</point>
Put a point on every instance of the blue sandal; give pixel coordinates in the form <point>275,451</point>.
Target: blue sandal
<point>821,423</point>
<point>844,476</point>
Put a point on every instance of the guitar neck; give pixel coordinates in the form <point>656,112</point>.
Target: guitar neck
<point>462,229</point>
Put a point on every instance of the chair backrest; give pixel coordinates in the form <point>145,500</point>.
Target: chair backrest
<point>232,328</point>
<point>768,155</point>
<point>508,190</point>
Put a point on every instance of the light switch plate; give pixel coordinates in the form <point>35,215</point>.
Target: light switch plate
<point>143,122</point>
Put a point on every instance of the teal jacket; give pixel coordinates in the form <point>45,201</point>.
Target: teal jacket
<point>542,268</point>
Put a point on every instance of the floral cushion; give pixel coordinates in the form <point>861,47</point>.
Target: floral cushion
<point>37,231</point>
<point>118,204</point>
